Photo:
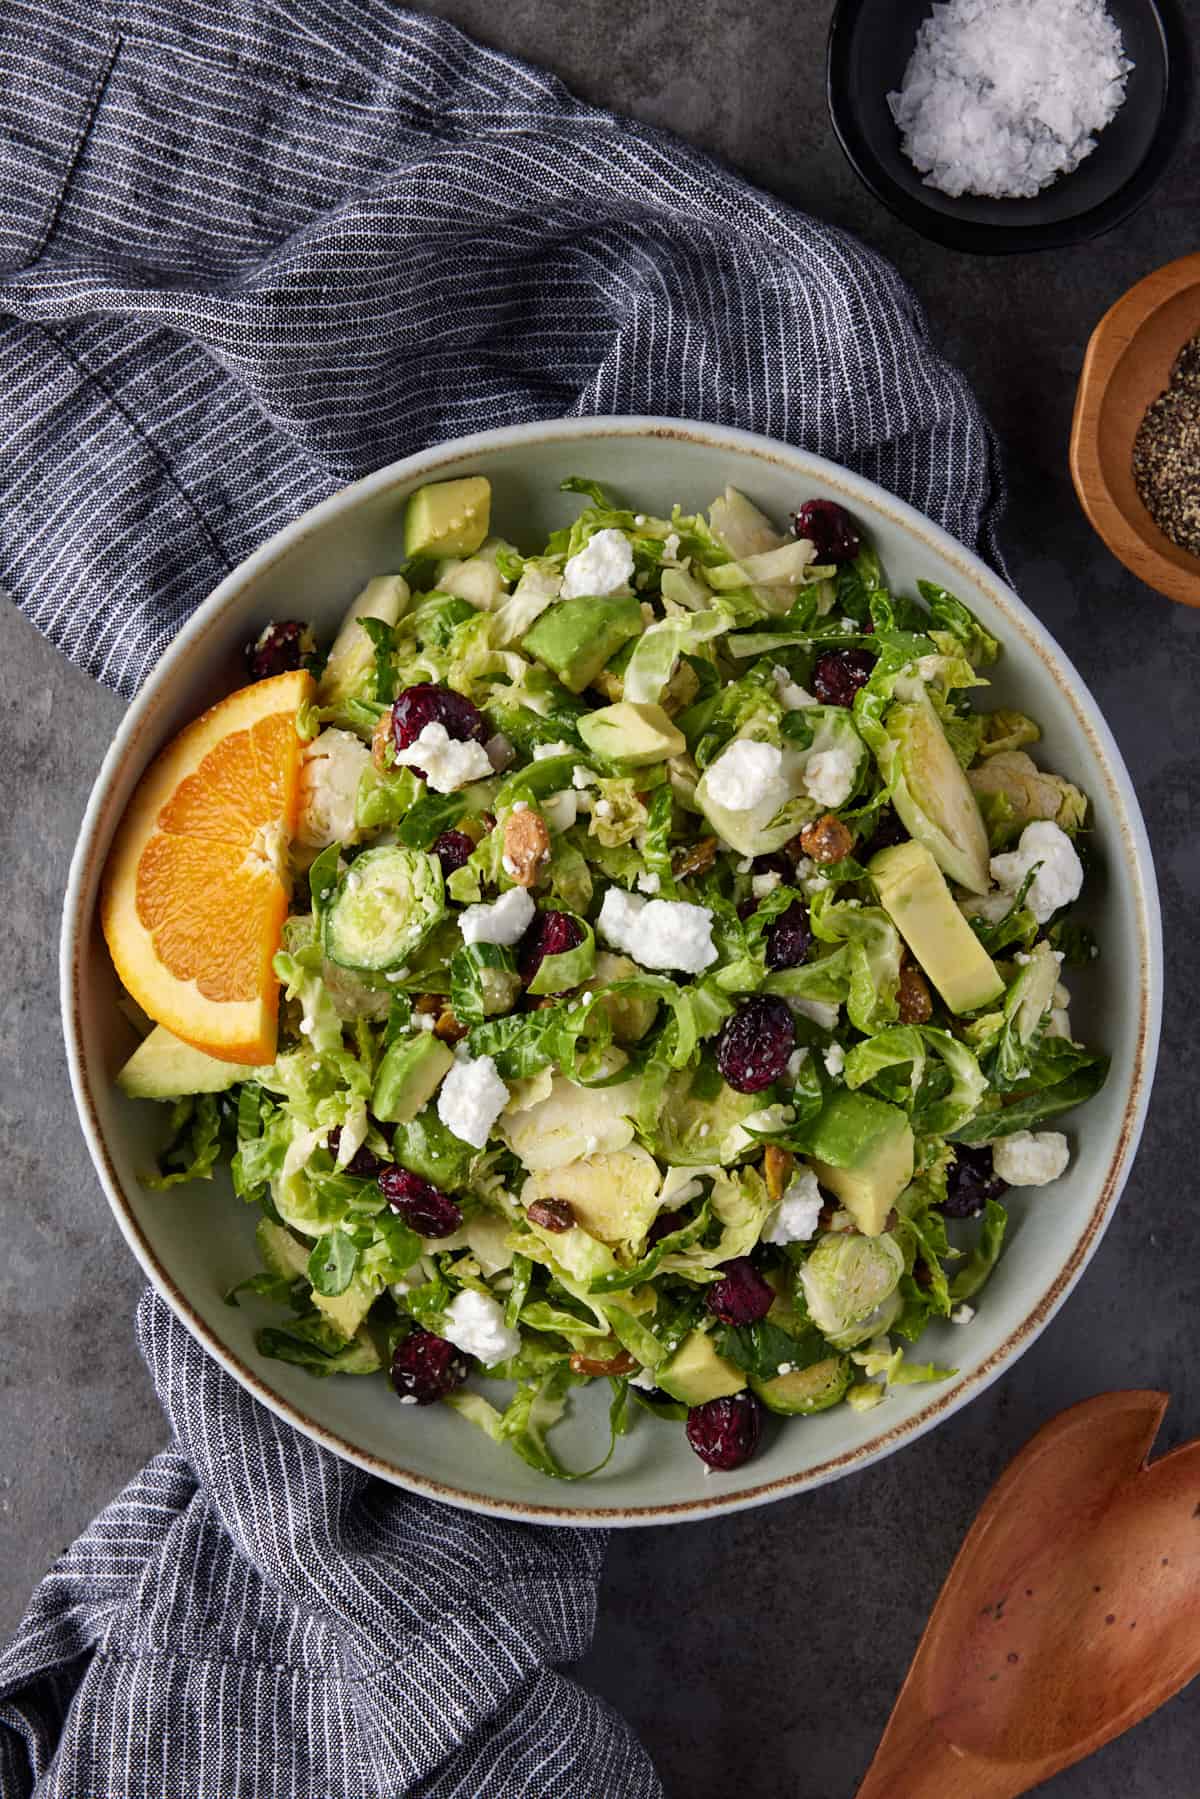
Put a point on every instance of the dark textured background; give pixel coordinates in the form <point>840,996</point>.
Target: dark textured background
<point>760,1654</point>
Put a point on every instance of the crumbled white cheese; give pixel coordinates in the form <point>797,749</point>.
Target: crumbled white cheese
<point>796,1217</point>
<point>829,774</point>
<point>1058,881</point>
<point>962,1314</point>
<point>332,767</point>
<point>542,752</point>
<point>583,777</point>
<point>648,882</point>
<point>670,547</point>
<point>644,1378</point>
<point>658,933</point>
<point>747,775</point>
<point>822,1012</point>
<point>761,885</point>
<point>792,697</point>
<point>474,1323</point>
<point>425,1021</point>
<point>834,1059</point>
<point>603,808</point>
<point>447,763</point>
<point>604,564</point>
<point>471,1098</point>
<point>505,921</point>
<point>1030,1158</point>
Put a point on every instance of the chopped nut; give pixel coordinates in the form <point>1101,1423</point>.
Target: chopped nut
<point>826,839</point>
<point>526,846</point>
<point>381,739</point>
<point>551,1214</point>
<point>448,1027</point>
<point>913,995</point>
<point>777,1170</point>
<point>429,1002</point>
<point>621,1363</point>
<point>696,861</point>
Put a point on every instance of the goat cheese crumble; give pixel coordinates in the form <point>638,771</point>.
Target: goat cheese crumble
<point>474,1323</point>
<point>470,1100</point>
<point>1031,1158</point>
<point>658,933</point>
<point>505,921</point>
<point>604,564</point>
<point>447,764</point>
<point>1058,881</point>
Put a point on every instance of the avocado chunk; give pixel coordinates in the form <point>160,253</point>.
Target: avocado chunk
<point>424,1146</point>
<point>448,518</point>
<point>412,1070</point>
<point>575,638</point>
<point>696,1373</point>
<point>637,732</point>
<point>863,1151</point>
<point>932,795</point>
<point>164,1067</point>
<point>806,1390</point>
<point>345,1311</point>
<point>913,892</point>
<point>352,657</point>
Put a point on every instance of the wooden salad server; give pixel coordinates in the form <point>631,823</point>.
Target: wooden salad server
<point>1071,1612</point>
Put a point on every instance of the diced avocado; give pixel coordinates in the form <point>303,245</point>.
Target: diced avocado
<point>575,638</point>
<point>385,906</point>
<point>284,1256</point>
<point>164,1067</point>
<point>806,1390</point>
<point>696,1373</point>
<point>631,731</point>
<point>448,518</point>
<point>409,1075</point>
<point>913,892</point>
<point>931,793</point>
<point>353,653</point>
<point>630,1014</point>
<point>424,1146</point>
<point>863,1151</point>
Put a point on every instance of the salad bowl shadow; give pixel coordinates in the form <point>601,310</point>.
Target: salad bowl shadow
<point>194,1252</point>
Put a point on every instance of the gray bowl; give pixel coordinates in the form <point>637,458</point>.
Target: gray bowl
<point>194,1246</point>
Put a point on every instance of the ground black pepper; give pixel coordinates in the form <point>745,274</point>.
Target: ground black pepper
<point>1166,453</point>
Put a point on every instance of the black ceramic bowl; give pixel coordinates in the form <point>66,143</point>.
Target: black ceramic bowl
<point>870,42</point>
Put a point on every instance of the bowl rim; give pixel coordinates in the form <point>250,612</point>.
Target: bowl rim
<point>142,721</point>
<point>1118,330</point>
<point>979,239</point>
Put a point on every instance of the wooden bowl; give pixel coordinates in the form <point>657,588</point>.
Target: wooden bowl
<point>1126,367</point>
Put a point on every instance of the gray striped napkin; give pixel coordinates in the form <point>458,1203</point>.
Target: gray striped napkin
<point>247,253</point>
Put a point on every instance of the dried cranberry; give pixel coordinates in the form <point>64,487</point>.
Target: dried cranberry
<point>888,831</point>
<point>453,850</point>
<point>838,675</point>
<point>363,1162</point>
<point>829,528</point>
<point>725,1432</point>
<point>429,704</point>
<point>663,1225</point>
<point>971,1180</point>
<point>550,934</point>
<point>754,1045</point>
<point>742,1296</point>
<point>423,1207</point>
<point>746,909</point>
<point>425,1367</point>
<point>278,649</point>
<point>789,938</point>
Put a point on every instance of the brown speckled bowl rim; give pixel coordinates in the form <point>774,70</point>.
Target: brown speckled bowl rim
<point>142,727</point>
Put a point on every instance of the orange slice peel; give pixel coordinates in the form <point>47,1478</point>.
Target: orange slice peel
<point>195,891</point>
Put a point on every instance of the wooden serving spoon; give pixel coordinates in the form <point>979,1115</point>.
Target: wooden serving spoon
<point>1071,1612</point>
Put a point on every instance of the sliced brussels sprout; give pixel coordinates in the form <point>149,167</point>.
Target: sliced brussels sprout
<point>850,1283</point>
<point>614,1195</point>
<point>571,1122</point>
<point>931,793</point>
<point>351,661</point>
<point>1031,793</point>
<point>385,906</point>
<point>806,1390</point>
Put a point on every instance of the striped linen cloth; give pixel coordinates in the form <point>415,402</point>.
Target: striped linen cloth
<point>248,252</point>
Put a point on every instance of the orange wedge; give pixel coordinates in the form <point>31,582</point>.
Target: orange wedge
<point>196,888</point>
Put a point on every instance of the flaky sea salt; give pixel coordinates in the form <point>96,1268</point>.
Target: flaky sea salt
<point>1001,97</point>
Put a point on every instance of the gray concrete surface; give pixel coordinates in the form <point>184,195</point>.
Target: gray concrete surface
<point>759,1654</point>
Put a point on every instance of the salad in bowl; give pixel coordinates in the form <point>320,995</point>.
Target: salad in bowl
<point>653,962</point>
